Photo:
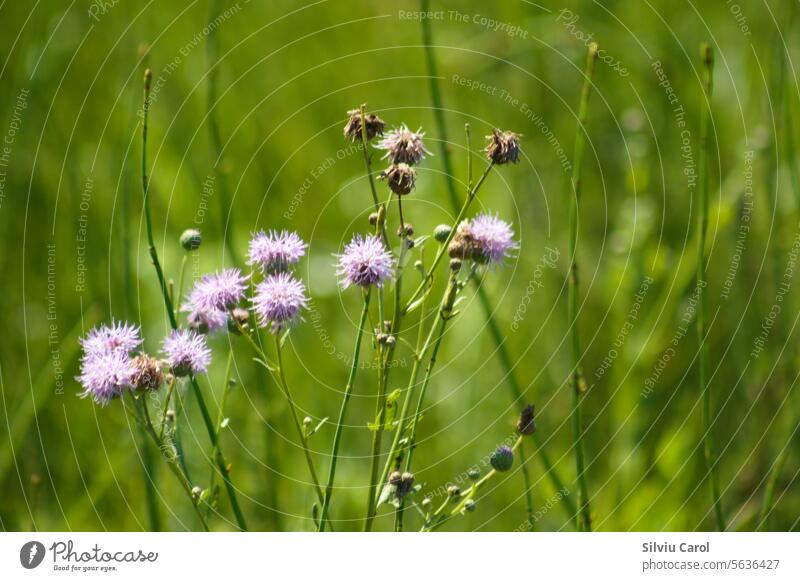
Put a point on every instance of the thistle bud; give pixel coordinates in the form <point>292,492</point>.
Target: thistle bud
<point>455,264</point>
<point>191,239</point>
<point>441,233</point>
<point>401,178</point>
<point>502,459</point>
<point>469,505</point>
<point>395,478</point>
<point>147,373</point>
<point>239,318</point>
<point>474,473</point>
<point>526,424</point>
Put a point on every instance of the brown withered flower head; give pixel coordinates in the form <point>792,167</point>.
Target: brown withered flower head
<point>352,129</point>
<point>526,424</point>
<point>401,178</point>
<point>463,245</point>
<point>404,146</point>
<point>503,147</point>
<point>147,373</point>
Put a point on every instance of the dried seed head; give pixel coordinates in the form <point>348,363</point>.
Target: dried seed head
<point>373,124</point>
<point>395,478</point>
<point>191,239</point>
<point>147,373</point>
<point>405,485</point>
<point>405,231</point>
<point>526,424</point>
<point>401,178</point>
<point>373,218</point>
<point>404,146</point>
<point>455,264</point>
<point>453,491</point>
<point>503,147</point>
<point>502,459</point>
<point>441,233</point>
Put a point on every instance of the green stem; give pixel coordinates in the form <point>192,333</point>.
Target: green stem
<point>215,136</point>
<point>440,253</point>
<point>438,107</point>
<point>220,460</point>
<point>296,419</point>
<point>171,463</point>
<point>502,350</point>
<point>377,435</point>
<point>583,517</point>
<point>440,517</point>
<point>709,453</point>
<point>337,437</point>
<point>221,412</point>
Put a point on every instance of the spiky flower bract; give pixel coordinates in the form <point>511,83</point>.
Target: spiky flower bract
<point>118,337</point>
<point>404,146</point>
<point>275,251</point>
<point>365,262</point>
<point>186,352</point>
<point>503,147</point>
<point>105,376</point>
<point>278,300</point>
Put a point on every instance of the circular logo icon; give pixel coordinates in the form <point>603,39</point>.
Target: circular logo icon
<point>31,554</point>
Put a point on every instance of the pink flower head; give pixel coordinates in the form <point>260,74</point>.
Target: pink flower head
<point>275,251</point>
<point>365,262</point>
<point>106,375</point>
<point>278,301</point>
<point>117,337</point>
<point>492,237</point>
<point>186,352</point>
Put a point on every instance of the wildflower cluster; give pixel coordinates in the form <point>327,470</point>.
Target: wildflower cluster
<point>272,296</point>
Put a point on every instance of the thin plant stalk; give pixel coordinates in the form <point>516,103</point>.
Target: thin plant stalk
<point>280,379</point>
<point>712,462</point>
<point>577,385</point>
<point>220,459</point>
<point>215,136</point>
<point>443,248</point>
<point>441,516</point>
<point>501,348</point>
<point>171,463</point>
<point>296,419</point>
<point>337,437</point>
<point>221,412</point>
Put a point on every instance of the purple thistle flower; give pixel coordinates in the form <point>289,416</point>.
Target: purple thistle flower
<point>220,291</point>
<point>117,337</point>
<point>106,375</point>
<point>278,301</point>
<point>365,262</point>
<point>206,321</point>
<point>403,146</point>
<point>275,251</point>
<point>186,352</point>
<point>492,237</point>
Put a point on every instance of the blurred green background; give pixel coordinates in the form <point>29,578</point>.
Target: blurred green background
<point>74,252</point>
